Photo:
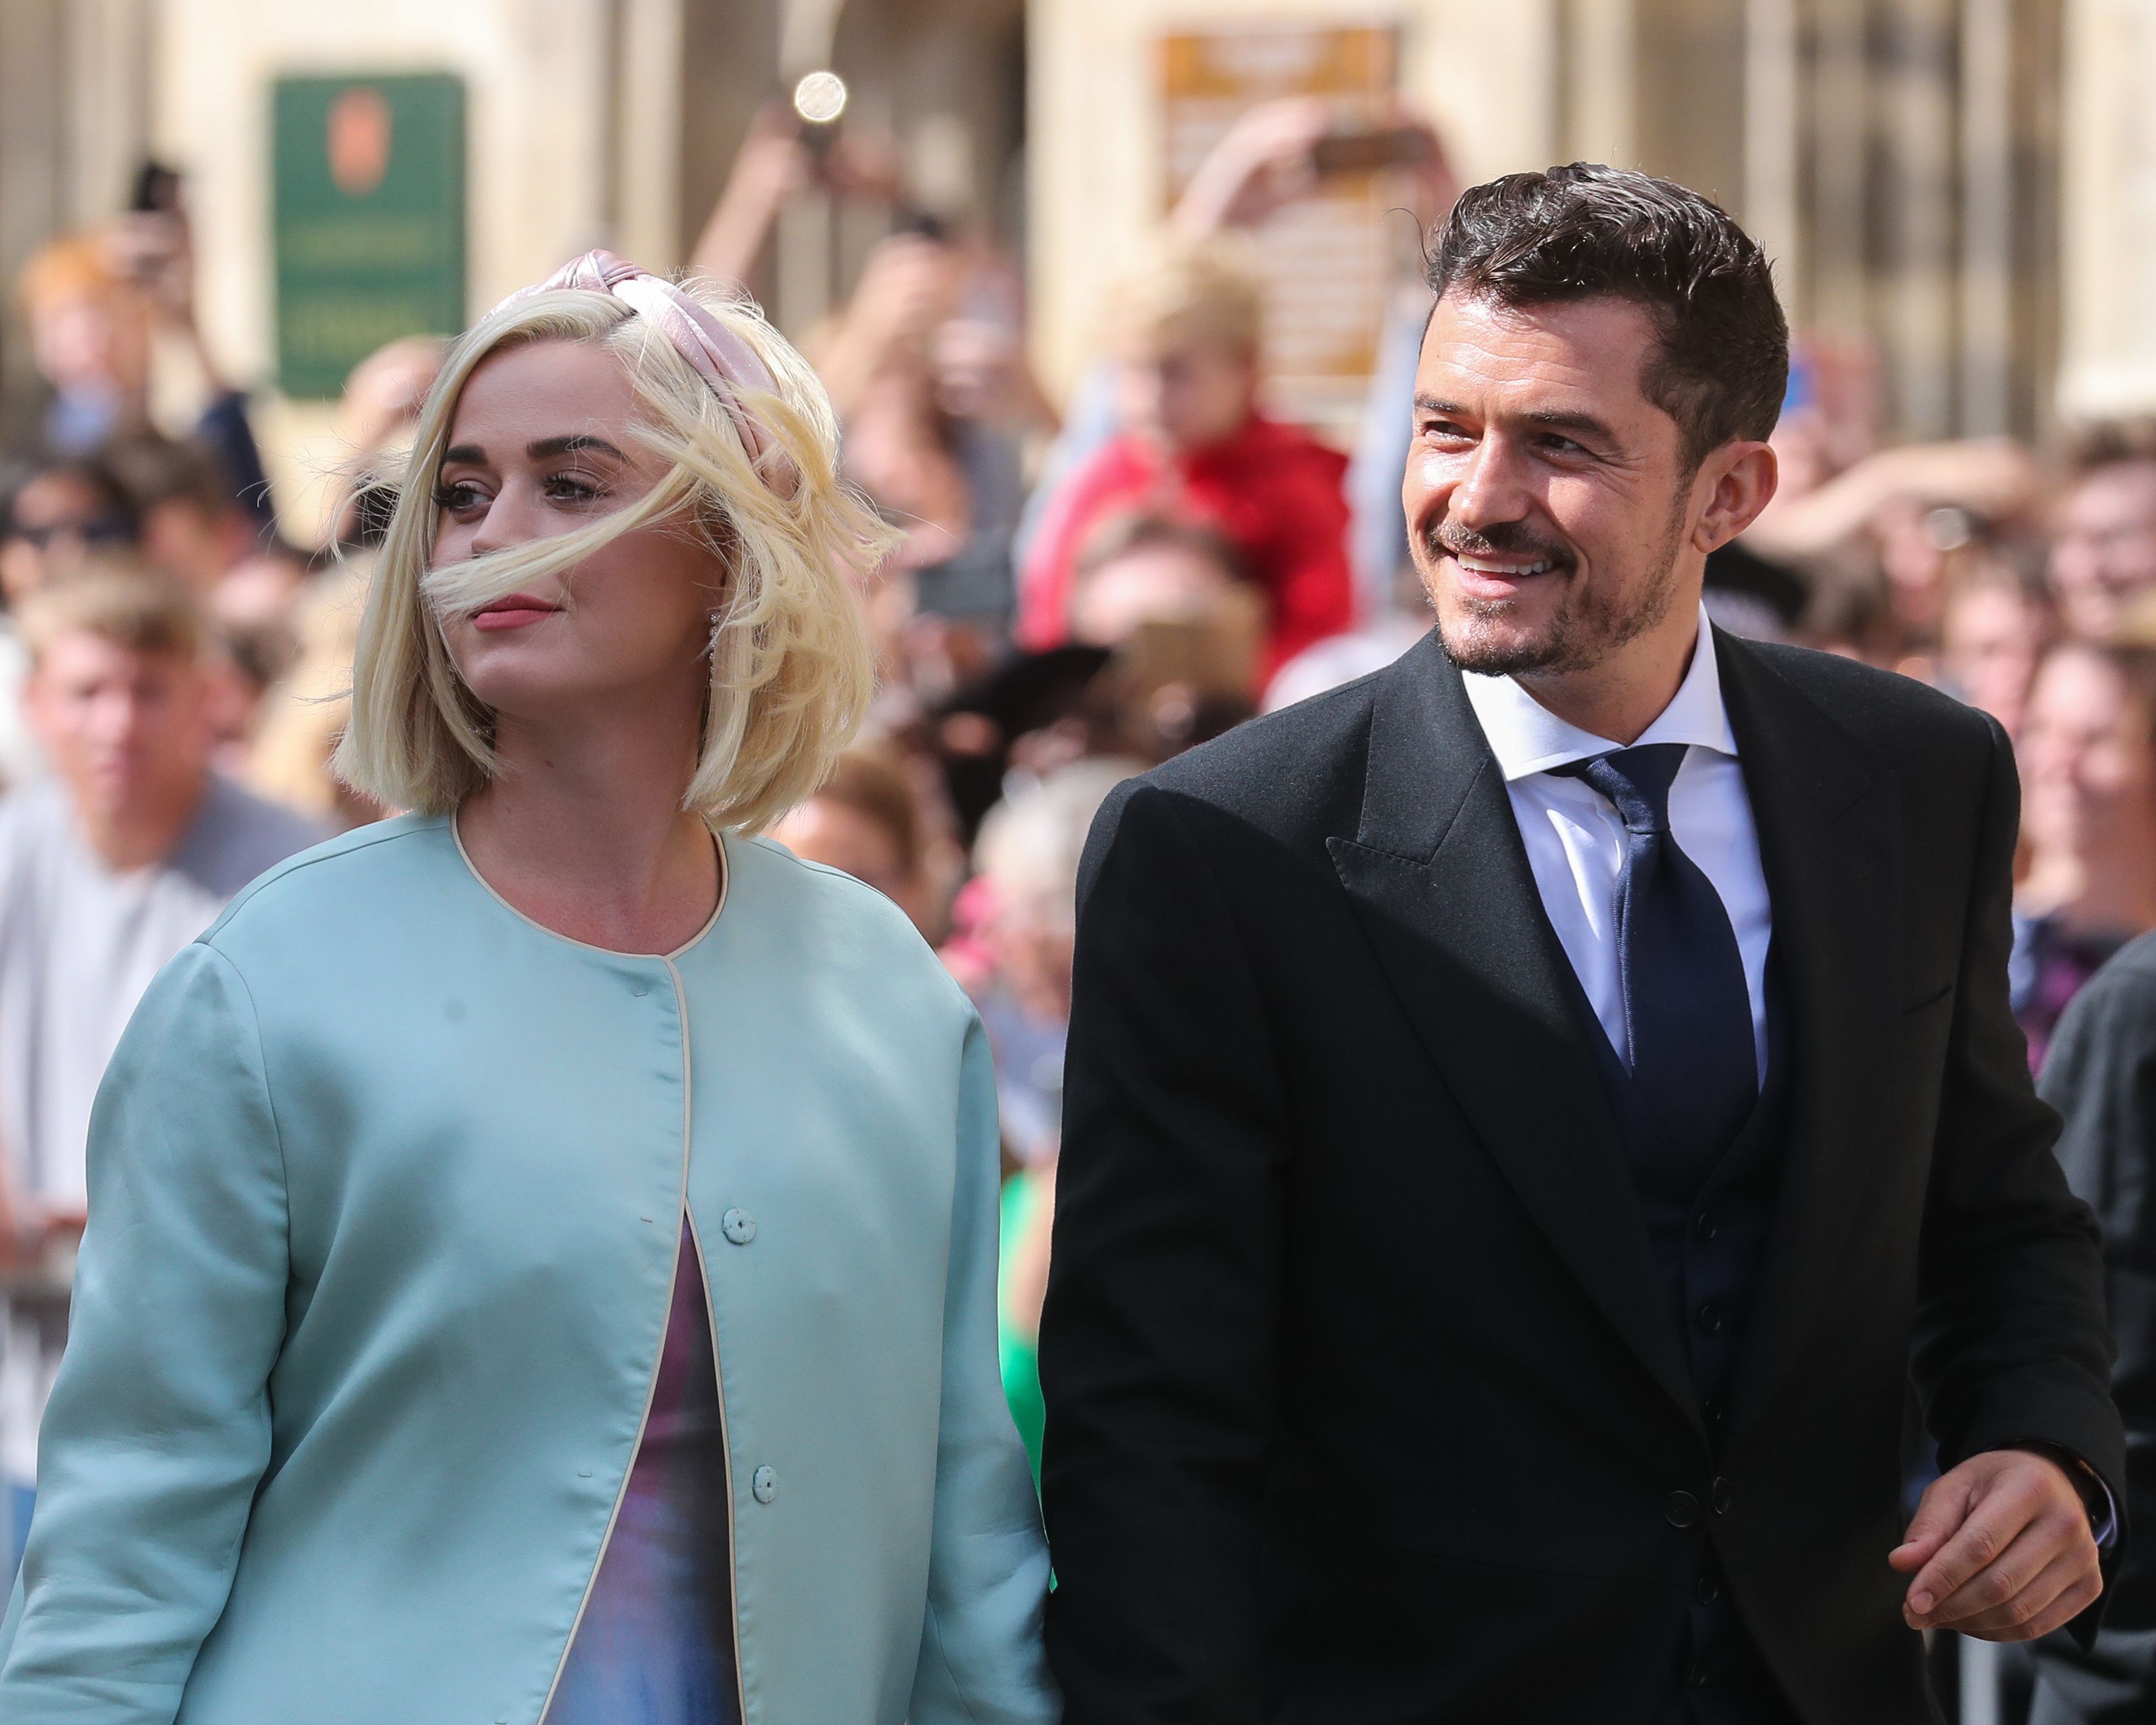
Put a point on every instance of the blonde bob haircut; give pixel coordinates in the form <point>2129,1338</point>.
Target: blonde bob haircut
<point>1202,291</point>
<point>791,671</point>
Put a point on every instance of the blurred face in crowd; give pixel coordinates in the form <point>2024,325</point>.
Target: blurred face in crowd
<point>841,836</point>
<point>2088,759</point>
<point>91,341</point>
<point>1180,392</point>
<point>542,442</point>
<point>1161,582</point>
<point>1907,535</point>
<point>1550,510</point>
<point>199,545</point>
<point>1991,637</point>
<point>57,517</point>
<point>1034,940</point>
<point>259,590</point>
<point>129,732</point>
<point>2104,555</point>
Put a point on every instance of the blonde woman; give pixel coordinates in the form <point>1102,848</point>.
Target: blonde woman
<point>541,1251</point>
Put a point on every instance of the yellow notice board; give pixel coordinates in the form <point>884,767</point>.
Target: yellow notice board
<point>1327,255</point>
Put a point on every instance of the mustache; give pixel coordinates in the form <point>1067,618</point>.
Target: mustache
<point>1501,539</point>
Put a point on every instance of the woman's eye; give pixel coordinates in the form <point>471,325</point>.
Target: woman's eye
<point>567,488</point>
<point>457,497</point>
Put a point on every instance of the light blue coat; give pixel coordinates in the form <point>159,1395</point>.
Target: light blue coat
<point>386,1189</point>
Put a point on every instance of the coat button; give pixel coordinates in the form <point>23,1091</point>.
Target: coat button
<point>1720,1498</point>
<point>1706,1589</point>
<point>738,1226</point>
<point>1704,1227</point>
<point>764,1484</point>
<point>1680,1510</point>
<point>1709,1318</point>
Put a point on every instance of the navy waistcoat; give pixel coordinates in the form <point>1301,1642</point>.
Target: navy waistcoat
<point>1707,1228</point>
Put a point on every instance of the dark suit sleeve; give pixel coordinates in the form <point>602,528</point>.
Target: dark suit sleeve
<point>2011,1347</point>
<point>2100,1075</point>
<point>1158,1341</point>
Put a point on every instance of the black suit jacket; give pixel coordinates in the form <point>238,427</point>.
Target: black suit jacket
<point>2100,1075</point>
<point>1364,1401</point>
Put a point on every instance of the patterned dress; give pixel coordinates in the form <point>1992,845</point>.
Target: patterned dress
<point>655,1646</point>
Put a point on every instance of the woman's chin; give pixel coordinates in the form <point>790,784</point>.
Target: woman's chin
<point>514,683</point>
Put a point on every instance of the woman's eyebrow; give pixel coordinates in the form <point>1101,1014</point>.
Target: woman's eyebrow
<point>547,446</point>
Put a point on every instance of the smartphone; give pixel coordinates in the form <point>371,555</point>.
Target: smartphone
<point>1366,150</point>
<point>156,190</point>
<point>1215,655</point>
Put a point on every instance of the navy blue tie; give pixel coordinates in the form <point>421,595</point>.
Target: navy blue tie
<point>1687,1014</point>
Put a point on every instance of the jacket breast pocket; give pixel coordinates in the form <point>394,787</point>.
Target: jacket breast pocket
<point>1927,999</point>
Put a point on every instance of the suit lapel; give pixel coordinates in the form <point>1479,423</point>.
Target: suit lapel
<point>1440,881</point>
<point>1828,819</point>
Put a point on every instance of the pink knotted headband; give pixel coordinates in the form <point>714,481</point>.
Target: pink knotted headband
<point>726,361</point>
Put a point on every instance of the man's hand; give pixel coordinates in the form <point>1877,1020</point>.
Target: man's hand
<point>2001,1548</point>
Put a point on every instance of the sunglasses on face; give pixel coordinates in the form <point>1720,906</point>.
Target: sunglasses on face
<point>97,530</point>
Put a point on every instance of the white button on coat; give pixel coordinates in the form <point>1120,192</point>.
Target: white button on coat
<point>764,1484</point>
<point>738,1226</point>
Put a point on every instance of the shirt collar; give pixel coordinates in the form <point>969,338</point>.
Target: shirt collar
<point>1527,737</point>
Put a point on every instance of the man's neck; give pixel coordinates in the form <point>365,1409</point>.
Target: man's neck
<point>144,832</point>
<point>1624,693</point>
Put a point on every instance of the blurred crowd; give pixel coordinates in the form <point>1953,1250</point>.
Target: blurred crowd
<point>1084,588</point>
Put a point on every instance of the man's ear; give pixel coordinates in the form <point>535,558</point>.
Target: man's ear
<point>1739,481</point>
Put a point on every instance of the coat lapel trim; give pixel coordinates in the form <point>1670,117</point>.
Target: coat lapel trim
<point>1440,881</point>
<point>1828,817</point>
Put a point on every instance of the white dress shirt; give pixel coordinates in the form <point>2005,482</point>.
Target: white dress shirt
<point>1575,838</point>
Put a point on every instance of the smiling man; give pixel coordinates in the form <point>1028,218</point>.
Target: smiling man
<point>1529,1113</point>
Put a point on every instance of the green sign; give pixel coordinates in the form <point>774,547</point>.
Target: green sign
<point>369,200</point>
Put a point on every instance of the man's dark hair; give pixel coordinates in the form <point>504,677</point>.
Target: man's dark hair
<point>156,469</point>
<point>1120,536</point>
<point>2110,443</point>
<point>1584,231</point>
<point>116,517</point>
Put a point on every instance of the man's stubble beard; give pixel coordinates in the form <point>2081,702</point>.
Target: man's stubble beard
<point>1587,627</point>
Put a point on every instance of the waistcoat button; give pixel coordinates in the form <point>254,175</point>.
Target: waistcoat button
<point>1680,1510</point>
<point>738,1226</point>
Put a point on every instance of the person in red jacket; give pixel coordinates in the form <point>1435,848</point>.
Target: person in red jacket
<point>1193,444</point>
